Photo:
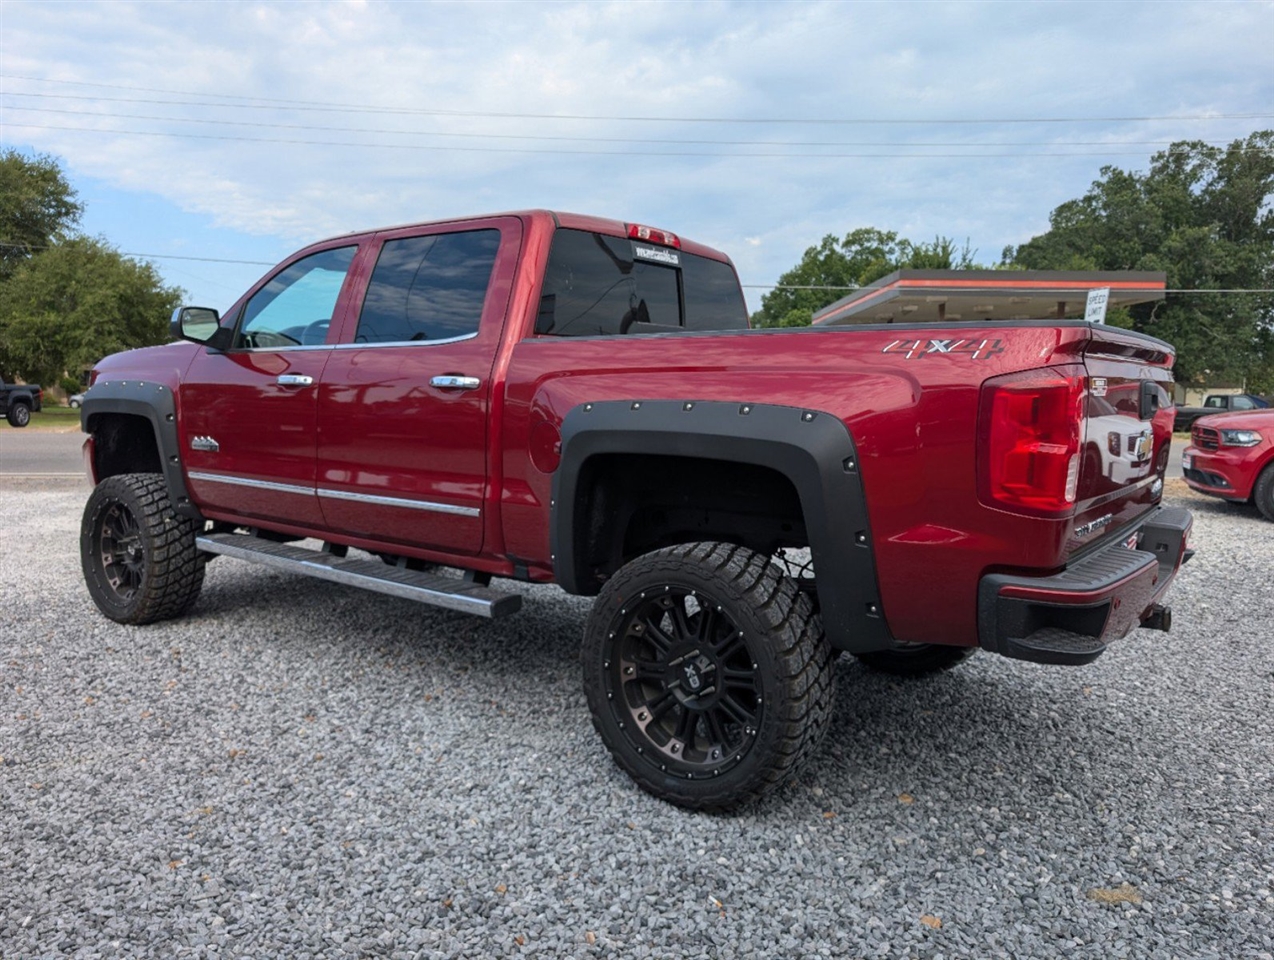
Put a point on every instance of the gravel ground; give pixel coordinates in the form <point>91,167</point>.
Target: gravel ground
<point>301,770</point>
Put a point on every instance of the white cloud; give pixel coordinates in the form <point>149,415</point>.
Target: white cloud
<point>795,61</point>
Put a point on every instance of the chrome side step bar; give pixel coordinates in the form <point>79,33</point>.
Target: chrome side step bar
<point>446,592</point>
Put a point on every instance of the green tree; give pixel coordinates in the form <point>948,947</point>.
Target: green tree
<point>832,269</point>
<point>73,303</point>
<point>37,206</point>
<point>1204,215</point>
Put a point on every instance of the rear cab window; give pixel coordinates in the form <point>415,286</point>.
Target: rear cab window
<point>601,285</point>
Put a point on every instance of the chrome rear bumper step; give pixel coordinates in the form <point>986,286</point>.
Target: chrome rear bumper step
<point>449,593</point>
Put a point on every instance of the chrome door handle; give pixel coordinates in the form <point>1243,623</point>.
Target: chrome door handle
<point>293,380</point>
<point>450,382</point>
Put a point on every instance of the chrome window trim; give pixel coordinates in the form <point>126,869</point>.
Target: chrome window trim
<point>245,482</point>
<point>291,349</point>
<point>399,502</point>
<point>352,346</point>
<point>402,343</point>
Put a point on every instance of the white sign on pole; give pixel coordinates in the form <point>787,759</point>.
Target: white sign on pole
<point>1095,312</point>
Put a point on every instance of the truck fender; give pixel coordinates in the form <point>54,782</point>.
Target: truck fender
<point>155,403</point>
<point>813,449</point>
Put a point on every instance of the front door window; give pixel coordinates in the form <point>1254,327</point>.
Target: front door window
<point>295,308</point>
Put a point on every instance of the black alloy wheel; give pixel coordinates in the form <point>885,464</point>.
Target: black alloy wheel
<point>682,679</point>
<point>120,551</point>
<point>139,558</point>
<point>707,674</point>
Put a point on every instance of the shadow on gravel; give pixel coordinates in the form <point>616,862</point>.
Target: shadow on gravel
<point>986,729</point>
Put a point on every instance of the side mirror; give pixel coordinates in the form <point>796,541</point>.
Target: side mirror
<point>199,325</point>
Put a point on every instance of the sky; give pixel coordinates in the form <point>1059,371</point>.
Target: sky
<point>198,132</point>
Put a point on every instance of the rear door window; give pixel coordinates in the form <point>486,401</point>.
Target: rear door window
<point>599,285</point>
<point>428,289</point>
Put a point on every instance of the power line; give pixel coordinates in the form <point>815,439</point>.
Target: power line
<point>548,137</point>
<point>260,103</point>
<point>746,286</point>
<point>559,152</point>
<point>150,256</point>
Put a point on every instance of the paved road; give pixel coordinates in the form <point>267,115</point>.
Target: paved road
<point>1174,457</point>
<point>41,453</point>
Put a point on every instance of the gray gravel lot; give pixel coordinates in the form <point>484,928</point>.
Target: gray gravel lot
<point>301,770</point>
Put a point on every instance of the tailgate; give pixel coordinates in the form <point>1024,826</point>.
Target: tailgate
<point>1127,433</point>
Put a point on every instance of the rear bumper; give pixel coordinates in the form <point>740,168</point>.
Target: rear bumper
<point>1071,617</point>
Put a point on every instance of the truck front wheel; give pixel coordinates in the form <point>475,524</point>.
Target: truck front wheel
<point>707,674</point>
<point>139,558</point>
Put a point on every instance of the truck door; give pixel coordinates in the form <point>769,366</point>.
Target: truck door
<point>405,399</point>
<point>248,415</point>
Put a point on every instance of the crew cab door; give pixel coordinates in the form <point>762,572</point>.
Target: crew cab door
<point>249,414</point>
<point>405,398</point>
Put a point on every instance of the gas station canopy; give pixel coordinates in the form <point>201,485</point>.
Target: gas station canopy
<point>908,296</point>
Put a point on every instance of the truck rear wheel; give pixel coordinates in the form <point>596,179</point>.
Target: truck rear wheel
<point>707,674</point>
<point>916,659</point>
<point>1263,492</point>
<point>139,558</point>
<point>19,415</point>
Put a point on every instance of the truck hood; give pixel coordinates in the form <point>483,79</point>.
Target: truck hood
<point>164,364</point>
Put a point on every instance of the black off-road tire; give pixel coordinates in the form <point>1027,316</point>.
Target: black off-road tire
<point>19,414</point>
<point>916,659</point>
<point>138,556</point>
<point>1263,492</point>
<point>707,673</point>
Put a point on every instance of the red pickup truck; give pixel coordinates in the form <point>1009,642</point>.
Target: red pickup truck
<point>546,397</point>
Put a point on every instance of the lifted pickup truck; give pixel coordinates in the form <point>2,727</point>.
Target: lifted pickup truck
<point>19,401</point>
<point>557,398</point>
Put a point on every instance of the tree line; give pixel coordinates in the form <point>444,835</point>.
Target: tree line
<point>66,299</point>
<point>1202,214</point>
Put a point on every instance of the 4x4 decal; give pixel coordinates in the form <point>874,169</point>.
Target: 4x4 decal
<point>918,349</point>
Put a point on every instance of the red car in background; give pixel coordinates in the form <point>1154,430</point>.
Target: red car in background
<point>1231,455</point>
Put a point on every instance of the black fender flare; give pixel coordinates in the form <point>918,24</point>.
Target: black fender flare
<point>812,448</point>
<point>155,403</point>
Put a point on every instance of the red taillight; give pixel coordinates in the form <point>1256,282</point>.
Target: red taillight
<point>1029,439</point>
<point>637,232</point>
